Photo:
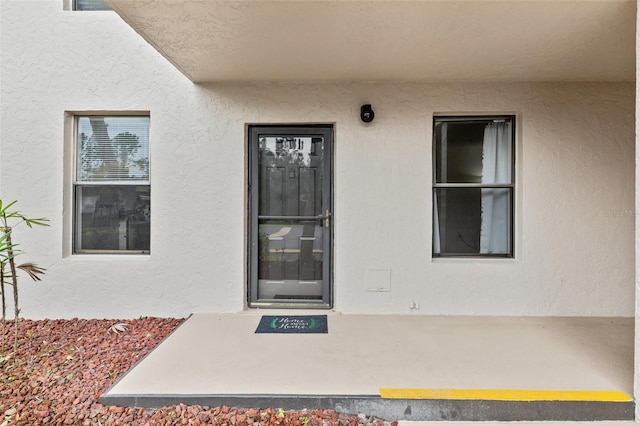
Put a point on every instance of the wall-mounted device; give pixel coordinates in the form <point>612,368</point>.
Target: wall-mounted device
<point>366,113</point>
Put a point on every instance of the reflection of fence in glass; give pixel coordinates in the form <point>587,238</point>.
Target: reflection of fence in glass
<point>290,176</point>
<point>113,148</point>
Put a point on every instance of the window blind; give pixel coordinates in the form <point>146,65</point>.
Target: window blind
<point>112,149</point>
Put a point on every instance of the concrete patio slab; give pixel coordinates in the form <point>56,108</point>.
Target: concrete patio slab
<point>219,359</point>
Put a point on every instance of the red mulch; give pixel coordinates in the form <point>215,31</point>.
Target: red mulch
<point>63,366</point>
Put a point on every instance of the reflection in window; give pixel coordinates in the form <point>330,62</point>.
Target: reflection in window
<point>290,175</point>
<point>112,190</point>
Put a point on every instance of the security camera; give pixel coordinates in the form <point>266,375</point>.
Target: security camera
<point>366,113</point>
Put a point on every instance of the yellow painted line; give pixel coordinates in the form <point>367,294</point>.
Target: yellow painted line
<point>506,395</point>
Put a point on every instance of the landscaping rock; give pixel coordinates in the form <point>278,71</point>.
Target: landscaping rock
<point>63,366</point>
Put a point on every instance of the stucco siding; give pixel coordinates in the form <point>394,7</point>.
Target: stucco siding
<point>575,211</point>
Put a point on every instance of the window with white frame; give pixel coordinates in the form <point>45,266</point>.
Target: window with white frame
<point>90,5</point>
<point>473,186</point>
<point>112,191</point>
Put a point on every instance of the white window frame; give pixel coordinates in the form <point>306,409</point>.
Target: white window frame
<point>76,182</point>
<point>511,185</point>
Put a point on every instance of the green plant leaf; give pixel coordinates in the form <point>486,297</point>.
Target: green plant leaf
<point>4,210</point>
<point>39,221</point>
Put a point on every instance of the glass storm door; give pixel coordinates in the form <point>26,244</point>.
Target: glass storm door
<point>290,216</point>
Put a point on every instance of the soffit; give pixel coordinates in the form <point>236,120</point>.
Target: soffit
<point>346,40</point>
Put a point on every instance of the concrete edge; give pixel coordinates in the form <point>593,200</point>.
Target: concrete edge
<point>144,357</point>
<point>400,409</point>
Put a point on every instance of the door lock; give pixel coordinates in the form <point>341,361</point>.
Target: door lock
<point>327,216</point>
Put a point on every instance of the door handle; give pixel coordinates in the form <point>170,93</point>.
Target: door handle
<point>327,218</point>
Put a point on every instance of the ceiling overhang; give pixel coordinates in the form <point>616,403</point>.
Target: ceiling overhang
<point>390,40</point>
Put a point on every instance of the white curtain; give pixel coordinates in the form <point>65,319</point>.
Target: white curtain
<point>436,225</point>
<point>496,168</point>
<point>442,178</point>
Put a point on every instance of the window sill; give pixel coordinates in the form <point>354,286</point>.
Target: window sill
<point>475,259</point>
<point>109,257</point>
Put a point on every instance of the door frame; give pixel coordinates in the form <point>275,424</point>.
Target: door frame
<point>252,193</point>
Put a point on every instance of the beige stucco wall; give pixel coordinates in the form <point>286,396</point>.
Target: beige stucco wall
<point>575,181</point>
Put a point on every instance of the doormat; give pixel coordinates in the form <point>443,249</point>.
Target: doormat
<point>292,324</point>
